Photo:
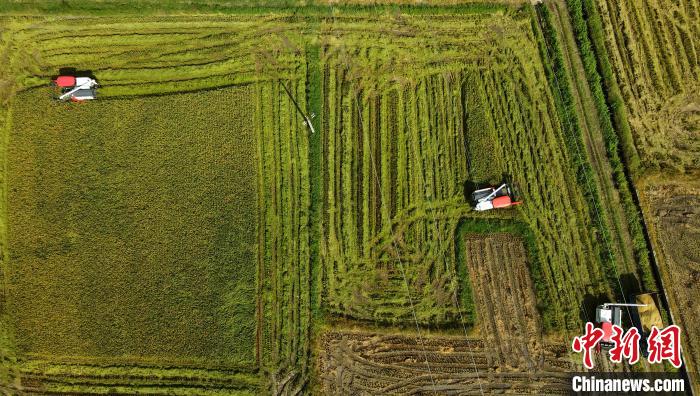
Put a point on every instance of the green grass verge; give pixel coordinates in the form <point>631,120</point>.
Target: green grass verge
<point>587,22</point>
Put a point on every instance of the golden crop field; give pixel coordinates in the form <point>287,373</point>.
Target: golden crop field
<point>131,226</point>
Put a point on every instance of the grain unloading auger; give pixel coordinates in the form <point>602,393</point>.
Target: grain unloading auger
<point>493,198</point>
<point>76,89</point>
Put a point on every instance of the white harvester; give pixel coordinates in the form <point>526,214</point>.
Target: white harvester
<point>606,316</point>
<point>76,89</point>
<point>493,198</point>
<point>644,313</point>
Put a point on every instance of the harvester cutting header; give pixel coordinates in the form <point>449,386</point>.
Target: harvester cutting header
<point>76,89</point>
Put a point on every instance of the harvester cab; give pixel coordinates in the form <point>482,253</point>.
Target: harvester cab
<point>76,89</point>
<point>493,198</point>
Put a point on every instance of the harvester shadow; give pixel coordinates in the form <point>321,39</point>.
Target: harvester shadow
<point>589,304</point>
<point>72,71</point>
<point>469,187</point>
<point>630,284</point>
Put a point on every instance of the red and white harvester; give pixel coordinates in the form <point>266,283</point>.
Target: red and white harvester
<point>606,316</point>
<point>493,198</point>
<point>76,89</point>
<point>644,314</point>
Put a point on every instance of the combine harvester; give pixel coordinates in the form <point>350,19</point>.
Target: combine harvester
<point>76,89</point>
<point>494,198</point>
<point>644,314</point>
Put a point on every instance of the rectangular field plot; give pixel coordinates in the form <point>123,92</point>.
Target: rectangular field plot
<point>132,228</point>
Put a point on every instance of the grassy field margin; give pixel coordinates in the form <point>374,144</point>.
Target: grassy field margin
<point>587,22</point>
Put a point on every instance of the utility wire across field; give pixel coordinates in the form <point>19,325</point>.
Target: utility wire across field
<point>459,309</point>
<point>375,175</point>
<point>401,266</point>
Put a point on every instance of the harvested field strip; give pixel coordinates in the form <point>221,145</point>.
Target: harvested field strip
<point>165,9</point>
<point>505,299</point>
<point>160,57</point>
<point>653,73</point>
<point>353,362</point>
